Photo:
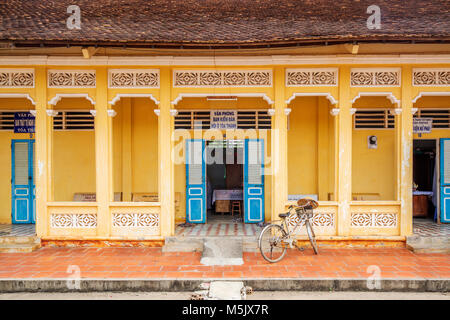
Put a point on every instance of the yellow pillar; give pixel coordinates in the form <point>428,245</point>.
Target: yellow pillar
<point>344,153</point>
<point>103,159</point>
<point>406,141</point>
<point>323,147</point>
<point>279,146</point>
<point>126,150</point>
<point>43,145</point>
<point>166,168</point>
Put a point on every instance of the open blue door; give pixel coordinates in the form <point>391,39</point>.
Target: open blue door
<point>254,181</point>
<point>195,181</point>
<point>445,180</point>
<point>23,186</point>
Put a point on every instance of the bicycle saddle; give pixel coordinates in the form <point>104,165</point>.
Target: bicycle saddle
<point>283,215</point>
<point>307,203</point>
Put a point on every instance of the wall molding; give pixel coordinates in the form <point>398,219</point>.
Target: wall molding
<point>59,96</point>
<point>431,94</point>
<point>181,96</point>
<point>327,95</point>
<point>227,60</point>
<point>388,95</point>
<point>18,95</point>
<point>133,95</point>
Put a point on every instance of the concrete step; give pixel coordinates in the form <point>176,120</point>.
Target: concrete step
<point>220,252</point>
<point>195,244</point>
<point>19,244</point>
<point>17,239</point>
<point>422,244</point>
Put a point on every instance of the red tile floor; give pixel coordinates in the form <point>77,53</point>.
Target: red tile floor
<point>51,262</point>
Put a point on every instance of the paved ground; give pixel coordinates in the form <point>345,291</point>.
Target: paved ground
<point>263,295</point>
<point>132,263</point>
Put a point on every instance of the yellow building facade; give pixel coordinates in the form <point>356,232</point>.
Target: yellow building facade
<point>112,127</point>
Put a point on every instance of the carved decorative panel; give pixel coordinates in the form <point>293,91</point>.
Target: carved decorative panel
<point>135,220</point>
<point>16,78</point>
<point>311,77</point>
<point>319,220</point>
<point>133,78</point>
<point>212,78</point>
<point>71,79</point>
<point>370,220</point>
<point>69,220</point>
<point>375,77</point>
<point>431,77</point>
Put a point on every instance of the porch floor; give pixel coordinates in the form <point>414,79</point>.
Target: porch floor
<point>17,230</point>
<point>218,227</point>
<point>429,228</point>
<point>144,263</point>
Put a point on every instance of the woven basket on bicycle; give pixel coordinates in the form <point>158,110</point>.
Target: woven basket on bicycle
<point>307,205</point>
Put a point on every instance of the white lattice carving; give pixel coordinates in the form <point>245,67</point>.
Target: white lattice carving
<point>431,77</point>
<point>16,78</point>
<point>311,77</point>
<point>71,79</point>
<point>133,78</point>
<point>370,220</point>
<point>212,78</point>
<point>135,220</point>
<point>68,220</point>
<point>375,77</point>
<point>319,220</point>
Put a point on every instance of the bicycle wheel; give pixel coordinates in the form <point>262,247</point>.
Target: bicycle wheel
<point>312,236</point>
<point>271,243</point>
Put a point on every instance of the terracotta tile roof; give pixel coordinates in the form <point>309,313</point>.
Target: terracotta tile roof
<point>221,22</point>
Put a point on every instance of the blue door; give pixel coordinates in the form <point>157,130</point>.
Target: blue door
<point>254,181</point>
<point>23,185</point>
<point>195,181</point>
<point>445,180</point>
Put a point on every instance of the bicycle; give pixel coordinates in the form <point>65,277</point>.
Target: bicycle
<point>274,238</point>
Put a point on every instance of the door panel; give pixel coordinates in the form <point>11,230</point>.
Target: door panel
<point>445,180</point>
<point>195,181</point>
<point>23,189</point>
<point>254,181</point>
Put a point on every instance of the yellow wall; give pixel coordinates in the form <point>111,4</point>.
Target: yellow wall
<point>306,158</point>
<point>144,146</point>
<point>373,170</point>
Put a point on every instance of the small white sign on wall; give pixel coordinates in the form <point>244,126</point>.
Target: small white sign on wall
<point>223,119</point>
<point>422,125</point>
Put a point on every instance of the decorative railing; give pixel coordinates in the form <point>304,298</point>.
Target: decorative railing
<point>375,218</point>
<point>135,220</point>
<point>323,221</point>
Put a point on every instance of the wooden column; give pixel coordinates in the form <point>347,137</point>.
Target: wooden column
<point>166,168</point>
<point>103,158</point>
<point>344,153</point>
<point>406,141</point>
<point>279,146</point>
<point>43,145</point>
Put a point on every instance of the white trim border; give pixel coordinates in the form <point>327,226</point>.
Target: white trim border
<point>327,95</point>
<point>388,95</point>
<point>132,95</point>
<point>181,96</point>
<point>59,96</point>
<point>18,95</point>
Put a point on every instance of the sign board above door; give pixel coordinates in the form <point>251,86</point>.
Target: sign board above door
<point>422,125</point>
<point>223,119</point>
<point>23,122</point>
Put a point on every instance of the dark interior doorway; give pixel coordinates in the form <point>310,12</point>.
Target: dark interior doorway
<point>224,174</point>
<point>424,178</point>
